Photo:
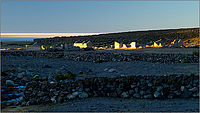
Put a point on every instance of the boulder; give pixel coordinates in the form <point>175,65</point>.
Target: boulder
<point>9,83</point>
<point>83,95</point>
<point>125,95</point>
<point>112,70</point>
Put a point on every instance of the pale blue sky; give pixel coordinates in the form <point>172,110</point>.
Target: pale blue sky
<point>97,16</point>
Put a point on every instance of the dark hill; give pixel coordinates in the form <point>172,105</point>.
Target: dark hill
<point>142,37</point>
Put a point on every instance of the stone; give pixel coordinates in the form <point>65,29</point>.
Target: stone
<point>148,96</point>
<point>119,91</point>
<point>142,92</point>
<point>60,99</point>
<point>177,92</point>
<point>75,93</point>
<point>157,94</point>
<point>133,85</point>
<point>53,99</point>
<point>122,75</point>
<point>186,94</point>
<point>9,83</point>
<point>195,95</point>
<point>70,96</point>
<point>131,92</point>
<point>112,70</point>
<point>182,88</point>
<point>13,102</point>
<point>125,95</point>
<point>20,75</point>
<point>170,96</point>
<point>36,77</point>
<point>40,93</point>
<point>83,95</point>
<point>136,90</point>
<point>159,88</point>
<point>150,84</point>
<point>52,82</point>
<point>193,89</point>
<point>136,95</point>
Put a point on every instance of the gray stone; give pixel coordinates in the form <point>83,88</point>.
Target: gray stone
<point>182,88</point>
<point>142,92</point>
<point>186,94</point>
<point>136,90</point>
<point>193,89</point>
<point>125,95</point>
<point>136,95</point>
<point>157,94</point>
<point>195,95</point>
<point>9,83</point>
<point>83,95</point>
<point>170,96</point>
<point>148,96</point>
<point>150,84</point>
<point>75,93</point>
<point>20,75</point>
<point>40,93</point>
<point>70,96</point>
<point>112,70</point>
<point>131,92</point>
<point>159,88</point>
<point>53,99</point>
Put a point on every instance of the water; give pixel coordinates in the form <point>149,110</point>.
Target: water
<point>8,39</point>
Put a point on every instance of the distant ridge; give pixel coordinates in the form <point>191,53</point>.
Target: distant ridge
<point>142,37</point>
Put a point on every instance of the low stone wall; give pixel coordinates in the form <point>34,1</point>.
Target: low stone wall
<point>141,87</point>
<point>33,53</point>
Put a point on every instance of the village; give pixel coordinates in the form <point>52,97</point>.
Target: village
<point>88,45</point>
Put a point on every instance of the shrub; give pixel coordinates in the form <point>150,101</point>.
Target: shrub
<point>67,76</point>
<point>196,53</point>
<point>185,61</point>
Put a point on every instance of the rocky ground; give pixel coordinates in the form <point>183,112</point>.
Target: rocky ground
<point>20,70</point>
<point>51,66</point>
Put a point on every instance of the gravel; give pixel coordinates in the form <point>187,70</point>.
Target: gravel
<point>50,66</point>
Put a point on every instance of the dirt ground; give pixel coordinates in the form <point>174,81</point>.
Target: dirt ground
<point>104,104</point>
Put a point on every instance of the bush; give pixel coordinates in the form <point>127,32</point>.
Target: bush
<point>99,61</point>
<point>196,53</point>
<point>69,75</point>
<point>185,61</point>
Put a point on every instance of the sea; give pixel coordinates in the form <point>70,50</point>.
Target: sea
<point>9,39</point>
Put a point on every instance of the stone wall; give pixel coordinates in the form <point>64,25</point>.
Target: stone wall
<point>110,57</point>
<point>140,87</point>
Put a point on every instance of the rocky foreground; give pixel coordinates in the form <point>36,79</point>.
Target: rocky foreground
<point>31,80</point>
<point>110,57</point>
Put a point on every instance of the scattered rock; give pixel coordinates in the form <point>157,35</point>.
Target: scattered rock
<point>125,95</point>
<point>136,95</point>
<point>83,95</point>
<point>112,70</point>
<point>157,94</point>
<point>9,83</point>
<point>148,96</point>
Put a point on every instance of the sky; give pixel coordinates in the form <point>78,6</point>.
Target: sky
<point>96,16</point>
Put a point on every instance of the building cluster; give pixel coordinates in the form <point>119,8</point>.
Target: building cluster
<point>88,44</point>
<point>83,44</point>
<point>117,45</point>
